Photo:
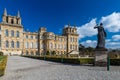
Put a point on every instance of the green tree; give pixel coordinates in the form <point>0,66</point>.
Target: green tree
<point>47,53</point>
<point>81,49</point>
<point>53,52</point>
<point>1,53</point>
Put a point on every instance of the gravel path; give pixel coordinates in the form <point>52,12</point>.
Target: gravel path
<point>21,68</point>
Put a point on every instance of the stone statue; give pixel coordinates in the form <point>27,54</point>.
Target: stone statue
<point>101,36</point>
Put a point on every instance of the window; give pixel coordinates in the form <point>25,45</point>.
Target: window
<point>42,46</point>
<point>17,34</point>
<point>12,44</point>
<point>35,37</point>
<point>6,33</point>
<point>31,37</point>
<point>64,47</point>
<point>27,44</point>
<point>27,36</point>
<point>18,44</point>
<point>50,45</point>
<point>12,21</point>
<point>32,45</point>
<point>73,39</point>
<point>55,46</point>
<point>36,46</point>
<point>60,46</point>
<point>7,44</point>
<point>12,33</point>
<point>27,52</point>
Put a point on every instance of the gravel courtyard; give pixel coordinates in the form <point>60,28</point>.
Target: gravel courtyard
<point>21,68</point>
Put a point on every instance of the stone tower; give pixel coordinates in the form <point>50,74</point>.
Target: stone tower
<point>8,19</point>
<point>11,34</point>
<point>41,31</point>
<point>72,38</point>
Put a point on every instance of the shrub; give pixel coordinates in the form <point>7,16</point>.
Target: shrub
<point>65,59</point>
<point>86,60</point>
<point>47,53</point>
<point>1,53</point>
<point>115,61</point>
<point>53,53</point>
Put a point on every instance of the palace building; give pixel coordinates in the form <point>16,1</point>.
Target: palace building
<point>15,41</point>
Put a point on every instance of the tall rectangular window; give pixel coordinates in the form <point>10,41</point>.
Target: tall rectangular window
<point>6,33</point>
<point>18,44</point>
<point>12,33</point>
<point>17,34</point>
<point>12,44</point>
<point>7,44</point>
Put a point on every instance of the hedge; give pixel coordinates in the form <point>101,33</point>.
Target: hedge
<point>73,60</point>
<point>3,63</point>
<point>65,59</point>
<point>114,61</point>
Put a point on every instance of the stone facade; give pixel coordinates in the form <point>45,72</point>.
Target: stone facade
<point>14,40</point>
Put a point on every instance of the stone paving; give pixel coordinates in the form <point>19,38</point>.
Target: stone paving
<point>21,68</point>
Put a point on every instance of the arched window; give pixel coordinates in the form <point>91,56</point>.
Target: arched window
<point>17,34</point>
<point>6,33</point>
<point>7,44</point>
<point>18,44</point>
<point>12,33</point>
<point>12,44</point>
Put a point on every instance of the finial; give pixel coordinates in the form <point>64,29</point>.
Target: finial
<point>74,25</point>
<point>68,24</point>
<point>5,12</point>
<point>18,15</point>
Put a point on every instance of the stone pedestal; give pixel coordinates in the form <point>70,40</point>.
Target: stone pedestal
<point>101,57</point>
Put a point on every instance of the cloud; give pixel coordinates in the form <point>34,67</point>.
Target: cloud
<point>109,44</point>
<point>116,37</point>
<point>89,43</point>
<point>87,30</point>
<point>112,22</point>
<point>113,45</point>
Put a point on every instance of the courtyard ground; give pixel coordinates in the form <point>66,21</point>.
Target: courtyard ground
<point>21,68</point>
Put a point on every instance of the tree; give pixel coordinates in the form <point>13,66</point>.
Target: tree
<point>86,50</point>
<point>81,49</point>
<point>1,53</point>
<point>53,52</point>
<point>47,53</point>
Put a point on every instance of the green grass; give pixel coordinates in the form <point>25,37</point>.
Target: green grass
<point>3,62</point>
<point>1,57</point>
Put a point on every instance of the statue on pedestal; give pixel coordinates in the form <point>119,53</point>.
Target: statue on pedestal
<point>101,36</point>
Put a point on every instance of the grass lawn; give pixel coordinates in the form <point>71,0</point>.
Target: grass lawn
<point>3,61</point>
<point>1,57</point>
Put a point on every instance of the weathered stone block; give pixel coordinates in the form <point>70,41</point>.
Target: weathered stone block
<point>100,57</point>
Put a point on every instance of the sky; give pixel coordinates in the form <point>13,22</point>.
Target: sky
<point>55,14</point>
